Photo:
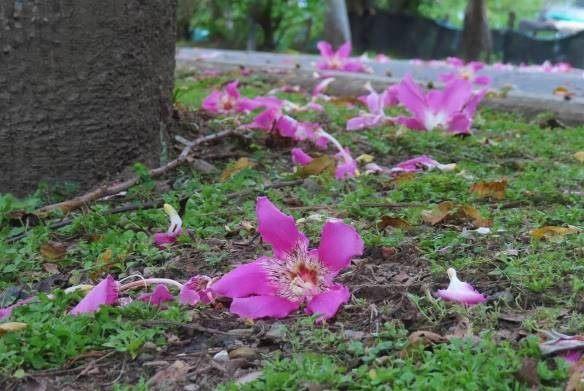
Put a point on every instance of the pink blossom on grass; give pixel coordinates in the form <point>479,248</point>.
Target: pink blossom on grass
<point>230,101</point>
<point>451,109</point>
<point>159,295</point>
<point>421,163</point>
<point>6,312</point>
<point>460,292</point>
<point>275,286</point>
<point>339,60</point>
<point>381,58</point>
<point>196,290</point>
<point>104,293</point>
<point>300,157</point>
<point>467,72</point>
<point>164,239</point>
<point>375,104</point>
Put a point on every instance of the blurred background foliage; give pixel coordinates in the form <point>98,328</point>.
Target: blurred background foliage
<point>297,24</point>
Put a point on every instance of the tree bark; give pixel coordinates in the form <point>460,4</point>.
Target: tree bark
<point>476,36</point>
<point>336,23</point>
<point>85,88</point>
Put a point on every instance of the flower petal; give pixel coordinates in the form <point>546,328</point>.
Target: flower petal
<point>160,295</point>
<point>163,239</point>
<point>195,290</point>
<point>327,303</point>
<point>460,292</point>
<point>412,97</point>
<point>211,102</point>
<point>344,51</point>
<point>300,157</point>
<point>245,280</point>
<point>277,229</point>
<point>459,124</point>
<point>325,48</point>
<point>256,307</point>
<point>339,243</point>
<point>104,293</point>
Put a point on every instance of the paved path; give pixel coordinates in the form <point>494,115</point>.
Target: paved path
<point>539,83</point>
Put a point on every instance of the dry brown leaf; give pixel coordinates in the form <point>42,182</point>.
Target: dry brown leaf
<point>527,373</point>
<point>53,250</point>
<point>422,338</point>
<point>51,268</point>
<point>317,166</point>
<point>346,101</point>
<point>579,156</point>
<point>495,189</point>
<point>394,222</point>
<point>403,177</point>
<point>563,92</point>
<point>439,213</point>
<point>449,212</point>
<point>10,327</point>
<point>232,169</point>
<point>550,231</point>
<point>170,376</point>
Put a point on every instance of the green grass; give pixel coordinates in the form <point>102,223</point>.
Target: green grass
<point>543,277</point>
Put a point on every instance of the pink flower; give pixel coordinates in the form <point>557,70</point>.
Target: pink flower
<point>375,104</point>
<point>321,87</point>
<point>160,295</point>
<point>572,356</point>
<point>466,72</point>
<point>421,163</point>
<point>104,293</point>
<point>347,166</point>
<point>275,286</point>
<point>339,60</point>
<point>300,157</point>
<point>381,58</point>
<point>196,290</point>
<point>451,109</point>
<point>460,292</point>
<point>164,239</point>
<point>230,101</point>
<point>6,312</point>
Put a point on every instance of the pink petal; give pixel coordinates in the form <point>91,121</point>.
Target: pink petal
<point>460,292</point>
<point>390,97</point>
<point>354,66</point>
<point>416,164</point>
<point>287,126</point>
<point>245,280</point>
<point>210,103</point>
<point>572,356</point>
<point>339,243</point>
<point>195,290</point>
<point>412,97</point>
<point>325,48</point>
<point>162,240</point>
<point>266,120</point>
<point>347,166</point>
<point>482,80</point>
<point>231,89</point>
<point>327,303</point>
<point>278,229</point>
<point>104,293</point>
<point>256,307</point>
<point>364,122</point>
<point>322,86</point>
<point>7,311</point>
<point>160,295</point>
<point>455,95</point>
<point>300,157</point>
<point>411,123</point>
<point>459,124</point>
<point>472,104</point>
<point>345,50</point>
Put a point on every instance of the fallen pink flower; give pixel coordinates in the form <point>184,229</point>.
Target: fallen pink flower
<point>300,157</point>
<point>452,108</point>
<point>164,239</point>
<point>460,292</point>
<point>104,293</point>
<point>159,295</point>
<point>381,58</point>
<point>230,101</point>
<point>6,312</point>
<point>321,87</point>
<point>466,72</point>
<point>275,286</point>
<point>375,104</point>
<point>196,290</point>
<point>421,163</point>
<point>347,166</point>
<point>572,356</point>
<point>339,60</point>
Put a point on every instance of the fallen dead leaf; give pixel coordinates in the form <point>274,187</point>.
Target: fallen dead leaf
<point>527,373</point>
<point>317,166</point>
<point>51,268</point>
<point>10,327</point>
<point>563,92</point>
<point>233,168</point>
<point>551,232</point>
<point>579,156</point>
<point>403,177</point>
<point>394,222</point>
<point>422,338</point>
<point>346,101</point>
<point>169,377</point>
<point>53,250</point>
<point>495,189</point>
<point>449,212</point>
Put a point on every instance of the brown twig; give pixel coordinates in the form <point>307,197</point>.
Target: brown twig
<point>111,189</point>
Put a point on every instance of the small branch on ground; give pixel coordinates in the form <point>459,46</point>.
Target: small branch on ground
<point>107,190</point>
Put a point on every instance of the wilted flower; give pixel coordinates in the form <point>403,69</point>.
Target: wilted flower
<point>339,60</point>
<point>300,157</point>
<point>164,239</point>
<point>421,163</point>
<point>466,71</point>
<point>159,295</point>
<point>275,286</point>
<point>459,291</point>
<point>230,101</point>
<point>452,108</point>
<point>104,293</point>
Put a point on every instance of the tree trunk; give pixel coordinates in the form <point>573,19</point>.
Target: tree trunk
<point>476,36</point>
<point>336,23</point>
<point>85,88</point>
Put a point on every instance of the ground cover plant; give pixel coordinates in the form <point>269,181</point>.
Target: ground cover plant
<point>501,206</point>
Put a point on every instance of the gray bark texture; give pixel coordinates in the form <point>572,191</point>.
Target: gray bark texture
<point>85,88</point>
<point>336,23</point>
<point>476,35</point>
